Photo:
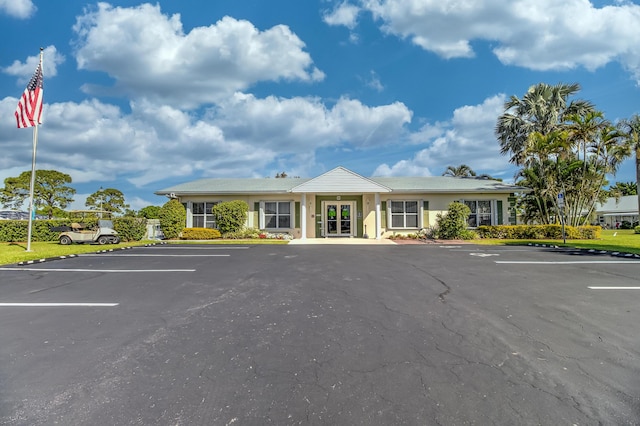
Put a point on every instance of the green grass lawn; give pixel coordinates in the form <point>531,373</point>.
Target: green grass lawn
<point>622,240</point>
<point>17,252</point>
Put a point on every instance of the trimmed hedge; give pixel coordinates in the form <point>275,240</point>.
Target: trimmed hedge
<point>200,234</point>
<point>538,232</point>
<point>128,228</point>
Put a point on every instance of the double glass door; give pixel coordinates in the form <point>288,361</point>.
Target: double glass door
<point>338,218</point>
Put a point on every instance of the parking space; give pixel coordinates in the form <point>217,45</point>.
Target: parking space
<point>415,334</point>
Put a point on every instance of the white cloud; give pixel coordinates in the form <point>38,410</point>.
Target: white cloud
<point>95,141</point>
<point>344,14</point>
<point>536,34</point>
<point>403,168</point>
<point>298,125</point>
<point>150,56</point>
<point>468,138</point>
<point>374,82</point>
<point>21,9</point>
<point>24,70</point>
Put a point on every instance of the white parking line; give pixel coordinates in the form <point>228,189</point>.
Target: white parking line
<point>569,262</point>
<point>56,305</point>
<point>614,288</point>
<point>201,248</point>
<point>96,270</point>
<point>155,255</point>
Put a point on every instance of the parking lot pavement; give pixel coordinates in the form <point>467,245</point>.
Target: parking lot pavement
<point>416,334</point>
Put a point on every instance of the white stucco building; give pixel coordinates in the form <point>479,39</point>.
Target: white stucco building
<point>341,203</point>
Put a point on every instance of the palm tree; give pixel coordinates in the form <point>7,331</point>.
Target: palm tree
<point>544,108</point>
<point>461,171</point>
<point>631,131</point>
<point>622,189</point>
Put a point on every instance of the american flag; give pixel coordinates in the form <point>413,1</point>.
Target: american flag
<point>29,110</point>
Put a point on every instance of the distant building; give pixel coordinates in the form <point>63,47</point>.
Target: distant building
<point>13,215</point>
<point>617,211</point>
<point>17,215</point>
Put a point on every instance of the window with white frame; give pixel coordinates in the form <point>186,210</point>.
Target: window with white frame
<point>404,213</point>
<point>201,215</point>
<point>276,215</point>
<point>481,212</point>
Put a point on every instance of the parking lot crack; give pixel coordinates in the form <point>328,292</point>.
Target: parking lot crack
<point>447,289</point>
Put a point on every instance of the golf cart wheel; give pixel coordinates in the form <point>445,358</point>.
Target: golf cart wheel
<point>116,240</point>
<point>103,240</point>
<point>65,240</point>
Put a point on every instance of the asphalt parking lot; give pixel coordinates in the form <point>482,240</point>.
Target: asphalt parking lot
<point>335,335</point>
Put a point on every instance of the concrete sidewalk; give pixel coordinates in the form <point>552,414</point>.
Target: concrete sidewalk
<point>344,241</point>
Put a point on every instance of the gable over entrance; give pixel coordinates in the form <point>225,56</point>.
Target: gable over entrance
<point>342,181</point>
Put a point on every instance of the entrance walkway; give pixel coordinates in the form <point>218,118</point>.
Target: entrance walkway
<point>344,241</point>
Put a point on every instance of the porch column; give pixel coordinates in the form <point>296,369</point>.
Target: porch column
<point>303,216</point>
<point>189,223</point>
<point>378,218</point>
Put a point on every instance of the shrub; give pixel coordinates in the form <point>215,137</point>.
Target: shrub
<point>200,234</point>
<point>275,236</point>
<point>468,234</point>
<point>636,230</point>
<point>538,232</point>
<point>130,228</point>
<point>230,215</point>
<point>427,233</point>
<point>453,224</point>
<point>246,233</point>
<point>172,217</point>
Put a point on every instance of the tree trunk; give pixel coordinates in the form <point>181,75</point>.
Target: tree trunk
<point>638,176</point>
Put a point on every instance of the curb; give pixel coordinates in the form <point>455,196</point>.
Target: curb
<point>70,256</point>
<point>588,251</point>
<point>47,259</point>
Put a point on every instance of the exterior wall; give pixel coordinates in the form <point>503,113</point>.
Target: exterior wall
<point>430,205</point>
<point>253,216</point>
<point>433,204</point>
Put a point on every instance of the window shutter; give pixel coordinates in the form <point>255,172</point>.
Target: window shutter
<point>383,214</point>
<point>425,214</point>
<point>257,219</point>
<point>297,210</point>
<point>500,217</point>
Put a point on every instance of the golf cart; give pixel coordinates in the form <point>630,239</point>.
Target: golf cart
<point>102,233</point>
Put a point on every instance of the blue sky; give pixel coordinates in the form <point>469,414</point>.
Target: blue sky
<point>143,96</point>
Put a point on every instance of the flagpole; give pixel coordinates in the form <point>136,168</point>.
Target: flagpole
<point>33,174</point>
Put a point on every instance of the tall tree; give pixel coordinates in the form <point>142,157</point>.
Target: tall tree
<point>50,191</point>
<point>150,212</point>
<point>631,131</point>
<point>460,171</point>
<point>544,108</point>
<point>567,144</point>
<point>110,200</point>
